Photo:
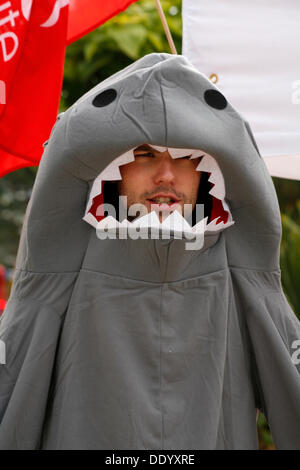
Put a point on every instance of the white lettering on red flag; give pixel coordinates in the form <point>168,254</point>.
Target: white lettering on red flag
<point>32,49</point>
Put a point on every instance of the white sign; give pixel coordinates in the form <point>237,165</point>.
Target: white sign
<point>251,50</point>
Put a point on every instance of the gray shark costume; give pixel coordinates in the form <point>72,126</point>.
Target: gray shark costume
<point>142,344</point>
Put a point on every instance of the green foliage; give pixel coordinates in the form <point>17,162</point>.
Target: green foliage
<point>264,434</point>
<point>290,257</point>
<point>288,193</point>
<point>119,42</point>
<point>15,190</point>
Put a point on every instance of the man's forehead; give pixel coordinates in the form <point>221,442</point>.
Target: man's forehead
<point>112,171</point>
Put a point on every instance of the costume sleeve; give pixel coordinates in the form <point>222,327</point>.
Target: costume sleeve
<point>52,245</point>
<point>274,334</point>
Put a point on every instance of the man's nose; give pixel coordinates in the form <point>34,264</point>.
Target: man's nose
<point>165,171</point>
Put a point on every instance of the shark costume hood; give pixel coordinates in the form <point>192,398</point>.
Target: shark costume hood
<point>141,343</point>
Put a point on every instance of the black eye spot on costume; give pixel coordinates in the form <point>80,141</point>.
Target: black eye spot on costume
<point>105,98</point>
<point>215,99</point>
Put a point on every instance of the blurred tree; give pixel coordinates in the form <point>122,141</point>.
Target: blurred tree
<point>290,255</point>
<point>288,192</point>
<point>15,190</point>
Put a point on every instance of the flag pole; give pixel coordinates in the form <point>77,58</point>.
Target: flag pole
<point>166,27</point>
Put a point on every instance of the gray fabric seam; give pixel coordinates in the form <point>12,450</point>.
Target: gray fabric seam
<point>39,302</point>
<point>240,268</point>
<point>157,283</point>
<point>45,272</point>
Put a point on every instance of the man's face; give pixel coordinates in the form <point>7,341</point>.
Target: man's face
<point>160,182</point>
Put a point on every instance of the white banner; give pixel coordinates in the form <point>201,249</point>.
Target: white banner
<point>251,50</point>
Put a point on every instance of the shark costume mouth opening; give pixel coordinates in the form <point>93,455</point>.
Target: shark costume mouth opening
<point>211,195</point>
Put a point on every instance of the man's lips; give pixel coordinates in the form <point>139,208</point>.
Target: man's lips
<point>164,206</point>
<point>174,199</point>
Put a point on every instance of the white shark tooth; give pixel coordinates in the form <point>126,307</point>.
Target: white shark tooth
<point>111,173</point>
<point>176,222</point>
<point>148,220</point>
<point>96,189</point>
<point>108,223</point>
<point>197,154</point>
<point>213,223</point>
<point>209,164</point>
<point>218,190</point>
<point>179,153</point>
<point>226,208</point>
<point>200,227</point>
<point>127,157</point>
<point>228,224</point>
<point>139,227</point>
<point>214,227</point>
<point>159,148</point>
<point>180,222</point>
<point>90,219</point>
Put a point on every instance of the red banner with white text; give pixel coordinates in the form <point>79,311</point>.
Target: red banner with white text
<point>32,49</point>
<point>33,38</point>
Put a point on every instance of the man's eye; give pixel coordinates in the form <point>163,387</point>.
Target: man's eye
<point>149,154</point>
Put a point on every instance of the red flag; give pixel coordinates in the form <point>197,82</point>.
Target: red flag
<point>2,289</point>
<point>33,37</point>
<point>86,15</point>
<point>32,49</point>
